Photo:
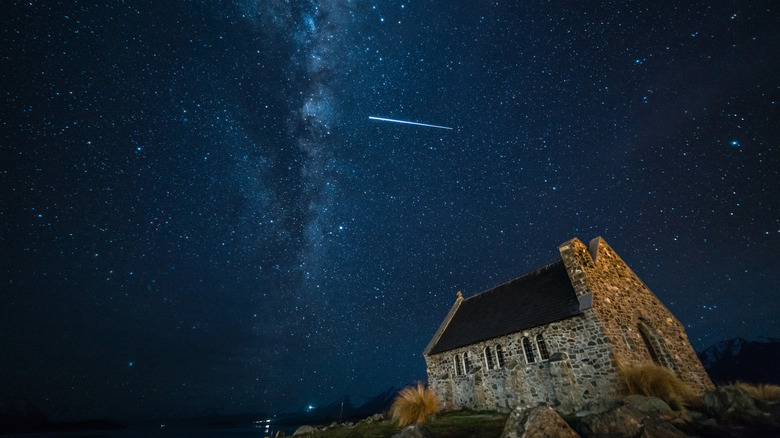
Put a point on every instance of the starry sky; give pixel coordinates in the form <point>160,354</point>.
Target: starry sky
<point>198,216</point>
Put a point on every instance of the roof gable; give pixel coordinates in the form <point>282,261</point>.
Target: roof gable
<point>540,297</point>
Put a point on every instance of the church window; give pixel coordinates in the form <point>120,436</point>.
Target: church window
<point>529,351</point>
<point>489,358</point>
<point>456,362</point>
<point>650,348</point>
<point>542,347</point>
<point>466,363</point>
<point>500,356</point>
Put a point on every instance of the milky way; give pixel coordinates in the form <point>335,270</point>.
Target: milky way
<point>199,216</point>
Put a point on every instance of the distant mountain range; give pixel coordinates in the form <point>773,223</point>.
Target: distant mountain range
<point>747,360</point>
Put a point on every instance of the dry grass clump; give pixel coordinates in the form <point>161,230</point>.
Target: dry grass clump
<point>656,381</point>
<point>414,404</point>
<point>764,392</point>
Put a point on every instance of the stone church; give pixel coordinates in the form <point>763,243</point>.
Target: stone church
<point>556,336</point>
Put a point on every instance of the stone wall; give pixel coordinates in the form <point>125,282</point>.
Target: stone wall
<point>580,368</point>
<point>639,328</point>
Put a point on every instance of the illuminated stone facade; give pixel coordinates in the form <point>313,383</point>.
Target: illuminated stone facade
<point>556,335</point>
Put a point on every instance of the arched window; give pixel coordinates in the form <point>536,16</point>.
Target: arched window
<point>456,362</point>
<point>529,351</point>
<point>466,363</point>
<point>500,356</point>
<point>656,346</point>
<point>649,346</point>
<point>488,358</point>
<point>542,347</point>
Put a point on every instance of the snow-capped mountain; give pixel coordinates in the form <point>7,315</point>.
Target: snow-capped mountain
<point>748,360</point>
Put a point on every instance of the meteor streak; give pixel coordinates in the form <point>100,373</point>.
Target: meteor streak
<point>408,123</point>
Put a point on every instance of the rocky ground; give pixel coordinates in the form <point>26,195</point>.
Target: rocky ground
<point>725,413</point>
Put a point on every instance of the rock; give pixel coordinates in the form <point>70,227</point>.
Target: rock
<point>597,407</point>
<point>709,422</point>
<point>413,431</point>
<point>732,404</point>
<point>621,422</point>
<point>304,430</point>
<point>692,415</point>
<point>647,405</point>
<point>709,427</point>
<point>655,428</point>
<point>680,419</point>
<point>537,422</point>
<point>639,416</point>
<point>558,356</point>
<point>372,419</point>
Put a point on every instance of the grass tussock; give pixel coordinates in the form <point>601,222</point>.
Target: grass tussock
<point>764,392</point>
<point>414,405</point>
<point>656,381</point>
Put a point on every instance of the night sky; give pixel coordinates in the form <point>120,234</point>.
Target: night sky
<point>198,215</point>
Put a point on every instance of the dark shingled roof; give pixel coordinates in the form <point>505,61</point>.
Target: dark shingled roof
<point>537,298</point>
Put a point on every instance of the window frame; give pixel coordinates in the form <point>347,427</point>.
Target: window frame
<point>528,349</point>
<point>541,345</point>
<point>489,360</point>
<point>500,356</point>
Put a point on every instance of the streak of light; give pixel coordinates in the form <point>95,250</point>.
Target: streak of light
<point>382,119</point>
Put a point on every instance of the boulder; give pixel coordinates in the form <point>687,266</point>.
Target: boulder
<point>413,431</point>
<point>372,419</point>
<point>597,407</point>
<point>647,405</point>
<point>655,428</point>
<point>303,430</point>
<point>621,422</point>
<point>681,419</point>
<point>731,404</point>
<point>537,422</point>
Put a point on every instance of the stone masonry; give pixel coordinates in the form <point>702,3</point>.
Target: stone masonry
<point>567,362</point>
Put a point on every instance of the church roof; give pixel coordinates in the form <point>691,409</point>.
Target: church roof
<point>540,297</point>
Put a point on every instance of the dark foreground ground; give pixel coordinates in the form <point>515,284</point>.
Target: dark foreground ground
<point>453,424</point>
<point>676,424</point>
